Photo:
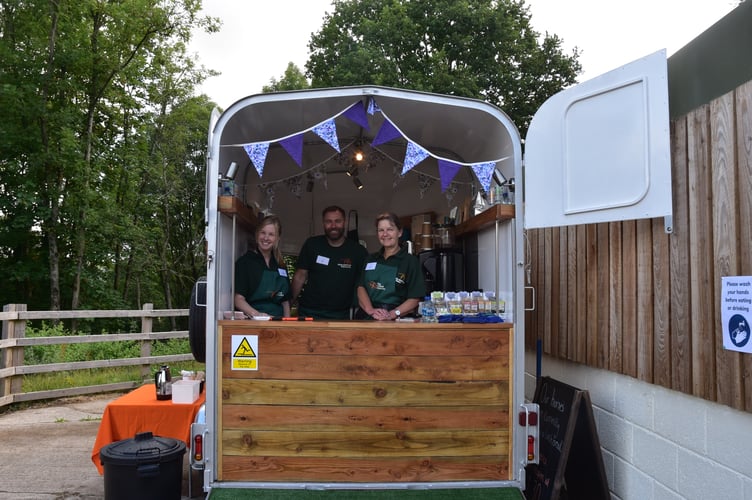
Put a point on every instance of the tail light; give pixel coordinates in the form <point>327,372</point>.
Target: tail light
<point>198,448</point>
<point>528,418</point>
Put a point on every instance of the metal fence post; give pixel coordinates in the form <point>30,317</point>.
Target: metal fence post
<point>13,356</point>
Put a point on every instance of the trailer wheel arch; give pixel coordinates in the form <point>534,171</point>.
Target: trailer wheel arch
<point>197,320</point>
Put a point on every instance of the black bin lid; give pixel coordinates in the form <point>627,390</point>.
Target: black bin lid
<point>144,448</point>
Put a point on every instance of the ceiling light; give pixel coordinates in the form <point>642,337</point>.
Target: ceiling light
<point>231,171</point>
<point>356,181</point>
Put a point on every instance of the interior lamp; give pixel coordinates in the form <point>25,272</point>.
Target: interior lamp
<point>231,171</point>
<point>356,181</point>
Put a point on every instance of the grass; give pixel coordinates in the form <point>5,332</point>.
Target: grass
<point>67,353</point>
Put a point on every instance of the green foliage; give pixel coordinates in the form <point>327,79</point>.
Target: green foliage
<point>484,49</point>
<point>101,153</point>
<point>293,79</point>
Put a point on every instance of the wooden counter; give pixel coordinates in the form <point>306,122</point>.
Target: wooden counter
<point>365,402</point>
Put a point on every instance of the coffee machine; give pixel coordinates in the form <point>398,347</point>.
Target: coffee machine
<point>443,269</point>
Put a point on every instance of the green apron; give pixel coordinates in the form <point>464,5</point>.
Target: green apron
<point>271,291</point>
<point>381,284</point>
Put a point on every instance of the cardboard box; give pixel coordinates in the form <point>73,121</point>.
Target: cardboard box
<point>185,391</point>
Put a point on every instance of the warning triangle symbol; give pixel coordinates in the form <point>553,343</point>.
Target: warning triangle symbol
<point>244,350</point>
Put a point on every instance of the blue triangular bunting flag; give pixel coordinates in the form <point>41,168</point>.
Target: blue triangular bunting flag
<point>447,171</point>
<point>372,106</point>
<point>484,172</point>
<point>357,114</point>
<point>294,147</point>
<point>386,133</point>
<point>328,131</point>
<point>257,153</point>
<point>414,155</point>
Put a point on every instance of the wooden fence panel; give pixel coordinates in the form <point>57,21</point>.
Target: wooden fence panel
<point>725,225</point>
<point>645,303</point>
<point>744,179</point>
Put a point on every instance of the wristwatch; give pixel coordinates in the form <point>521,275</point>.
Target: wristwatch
<point>397,313</point>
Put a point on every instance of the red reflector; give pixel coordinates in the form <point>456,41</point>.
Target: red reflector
<point>530,448</point>
<point>198,447</point>
<point>532,418</point>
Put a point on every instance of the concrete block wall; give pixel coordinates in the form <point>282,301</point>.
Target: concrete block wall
<point>659,444</point>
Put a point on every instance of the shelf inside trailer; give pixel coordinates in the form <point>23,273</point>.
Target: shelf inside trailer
<point>233,206</point>
<point>488,217</point>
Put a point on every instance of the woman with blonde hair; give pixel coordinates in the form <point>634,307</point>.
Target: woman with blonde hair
<point>262,286</point>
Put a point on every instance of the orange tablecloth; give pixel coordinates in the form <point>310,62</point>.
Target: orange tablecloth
<point>140,411</point>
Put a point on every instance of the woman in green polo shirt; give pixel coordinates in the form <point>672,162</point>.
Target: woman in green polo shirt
<point>391,284</point>
<point>261,283</point>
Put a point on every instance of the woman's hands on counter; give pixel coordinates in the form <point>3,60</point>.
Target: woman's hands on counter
<point>381,315</point>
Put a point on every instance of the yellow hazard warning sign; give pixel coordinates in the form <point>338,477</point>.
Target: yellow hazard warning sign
<point>244,352</point>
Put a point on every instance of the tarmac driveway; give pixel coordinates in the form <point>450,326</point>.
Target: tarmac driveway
<point>45,451</point>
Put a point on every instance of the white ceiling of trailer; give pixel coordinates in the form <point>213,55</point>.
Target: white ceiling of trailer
<point>455,129</point>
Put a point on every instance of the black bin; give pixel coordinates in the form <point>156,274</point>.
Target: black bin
<point>144,467</point>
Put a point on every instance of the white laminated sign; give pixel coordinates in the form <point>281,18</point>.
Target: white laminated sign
<point>736,303</point>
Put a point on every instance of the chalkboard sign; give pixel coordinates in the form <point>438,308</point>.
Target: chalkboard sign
<point>571,464</point>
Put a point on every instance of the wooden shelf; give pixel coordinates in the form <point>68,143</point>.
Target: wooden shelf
<point>500,212</point>
<point>231,205</point>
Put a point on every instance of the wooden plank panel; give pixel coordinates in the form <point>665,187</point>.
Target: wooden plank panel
<point>360,393</point>
<point>744,189</point>
<point>662,347</point>
<point>386,444</point>
<point>373,338</point>
<point>616,281</point>
<point>578,329</point>
<point>450,368</point>
<point>424,469</point>
<point>560,292</point>
<point>591,327</point>
<point>644,328</point>
<point>725,225</point>
<point>352,419</point>
<point>675,299</point>
<point>546,294</point>
<point>570,293</point>
<point>700,340</point>
<point>603,303</point>
<point>629,299</point>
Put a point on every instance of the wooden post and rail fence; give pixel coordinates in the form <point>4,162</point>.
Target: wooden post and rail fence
<point>12,369</point>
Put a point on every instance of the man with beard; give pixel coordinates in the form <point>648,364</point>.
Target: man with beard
<point>329,266</point>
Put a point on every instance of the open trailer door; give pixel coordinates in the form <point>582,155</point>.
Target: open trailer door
<point>600,151</point>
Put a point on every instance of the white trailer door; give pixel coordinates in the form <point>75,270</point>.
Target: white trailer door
<point>600,151</point>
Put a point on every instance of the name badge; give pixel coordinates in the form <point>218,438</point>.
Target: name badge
<point>370,266</point>
<point>282,272</point>
<point>324,261</point>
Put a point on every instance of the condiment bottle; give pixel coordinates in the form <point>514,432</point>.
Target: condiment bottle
<point>439,304</point>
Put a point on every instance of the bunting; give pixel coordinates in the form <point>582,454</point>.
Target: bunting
<point>294,147</point>
<point>386,133</point>
<point>413,155</point>
<point>484,173</point>
<point>358,113</point>
<point>447,171</point>
<point>257,153</point>
<point>328,131</point>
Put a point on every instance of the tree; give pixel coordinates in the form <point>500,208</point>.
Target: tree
<point>86,88</point>
<point>293,79</point>
<point>484,49</point>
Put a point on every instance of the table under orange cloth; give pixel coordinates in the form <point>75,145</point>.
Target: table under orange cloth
<point>141,411</point>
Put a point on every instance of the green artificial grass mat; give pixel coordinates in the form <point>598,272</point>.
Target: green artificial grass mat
<point>433,494</point>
